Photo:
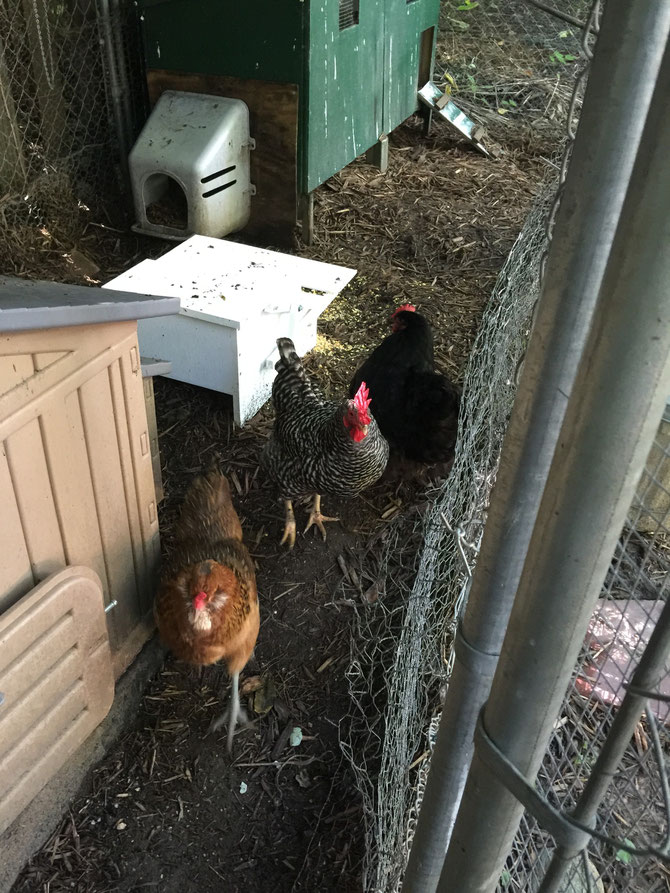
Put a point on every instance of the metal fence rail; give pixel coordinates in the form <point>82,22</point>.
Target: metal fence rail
<point>592,474</point>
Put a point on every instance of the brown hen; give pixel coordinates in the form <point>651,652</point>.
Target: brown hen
<point>206,607</point>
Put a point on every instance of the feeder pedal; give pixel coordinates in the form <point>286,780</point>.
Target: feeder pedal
<point>431,96</point>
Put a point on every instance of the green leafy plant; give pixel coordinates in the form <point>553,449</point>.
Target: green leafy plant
<point>562,58</point>
<point>467,5</point>
<point>623,855</point>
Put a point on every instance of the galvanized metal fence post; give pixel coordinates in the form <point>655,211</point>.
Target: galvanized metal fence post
<point>616,403</point>
<point>623,73</point>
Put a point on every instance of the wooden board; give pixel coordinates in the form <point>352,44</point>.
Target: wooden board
<point>345,102</point>
<point>405,52</point>
<point>229,283</point>
<point>273,120</point>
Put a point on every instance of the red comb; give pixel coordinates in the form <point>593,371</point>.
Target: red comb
<point>409,307</point>
<point>199,601</point>
<point>361,402</point>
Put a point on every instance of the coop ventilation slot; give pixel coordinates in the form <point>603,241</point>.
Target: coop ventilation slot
<point>349,10</point>
<point>217,174</point>
<point>219,189</point>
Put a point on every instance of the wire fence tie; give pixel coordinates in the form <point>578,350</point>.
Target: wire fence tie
<point>563,829</point>
<point>483,663</point>
<point>648,695</point>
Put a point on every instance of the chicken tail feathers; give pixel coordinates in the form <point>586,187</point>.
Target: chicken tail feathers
<point>432,394</point>
<point>433,404</point>
<point>292,382</point>
<point>208,510</point>
<point>287,355</point>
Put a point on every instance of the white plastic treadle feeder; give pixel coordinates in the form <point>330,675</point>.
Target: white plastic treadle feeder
<point>202,144</point>
<point>235,302</point>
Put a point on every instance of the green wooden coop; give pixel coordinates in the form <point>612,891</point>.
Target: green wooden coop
<point>324,81</point>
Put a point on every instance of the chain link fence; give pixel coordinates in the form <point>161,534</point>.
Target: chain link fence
<point>512,66</point>
<point>70,80</point>
<point>634,813</point>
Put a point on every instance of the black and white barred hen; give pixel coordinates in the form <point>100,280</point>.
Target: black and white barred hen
<point>318,446</point>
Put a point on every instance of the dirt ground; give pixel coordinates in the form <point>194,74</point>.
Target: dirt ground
<point>167,809</point>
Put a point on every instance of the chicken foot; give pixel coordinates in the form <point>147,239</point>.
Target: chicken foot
<point>317,518</point>
<point>234,715</point>
<point>289,526</point>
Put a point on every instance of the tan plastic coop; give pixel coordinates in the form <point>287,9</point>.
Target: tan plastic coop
<point>78,509</point>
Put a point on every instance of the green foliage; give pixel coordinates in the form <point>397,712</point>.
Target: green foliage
<point>562,58</point>
<point>623,855</point>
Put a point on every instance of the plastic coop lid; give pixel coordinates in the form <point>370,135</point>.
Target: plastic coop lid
<point>26,304</point>
<point>56,682</point>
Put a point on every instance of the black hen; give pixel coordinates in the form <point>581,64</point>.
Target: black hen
<point>415,407</point>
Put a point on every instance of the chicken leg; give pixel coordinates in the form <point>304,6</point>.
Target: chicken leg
<point>233,715</point>
<point>289,526</point>
<point>317,518</point>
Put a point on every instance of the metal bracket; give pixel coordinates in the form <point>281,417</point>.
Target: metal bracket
<point>431,95</point>
<point>483,663</point>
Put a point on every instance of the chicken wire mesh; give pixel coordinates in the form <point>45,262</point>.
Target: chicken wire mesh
<point>401,646</point>
<point>511,64</point>
<point>508,64</point>
<point>59,140</point>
